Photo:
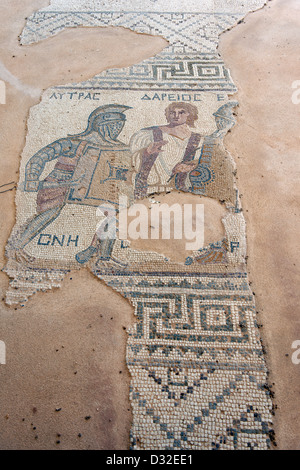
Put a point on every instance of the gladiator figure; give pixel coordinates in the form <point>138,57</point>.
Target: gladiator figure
<point>77,157</point>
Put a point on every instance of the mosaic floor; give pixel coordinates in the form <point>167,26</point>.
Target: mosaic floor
<point>198,375</point>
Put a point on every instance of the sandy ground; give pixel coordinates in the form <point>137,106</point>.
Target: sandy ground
<point>65,384</point>
<point>263,56</point>
<point>66,349</point>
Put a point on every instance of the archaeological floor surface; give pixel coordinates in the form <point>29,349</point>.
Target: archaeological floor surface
<point>66,382</point>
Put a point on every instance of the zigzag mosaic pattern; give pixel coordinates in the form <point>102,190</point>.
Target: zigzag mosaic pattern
<point>186,32</point>
<point>190,61</point>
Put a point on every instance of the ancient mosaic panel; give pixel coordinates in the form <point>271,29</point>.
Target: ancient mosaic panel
<point>198,375</point>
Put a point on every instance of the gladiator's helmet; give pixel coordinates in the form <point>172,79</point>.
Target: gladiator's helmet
<point>108,121</point>
<point>224,116</point>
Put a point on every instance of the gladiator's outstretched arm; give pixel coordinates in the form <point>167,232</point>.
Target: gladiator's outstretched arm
<point>36,164</point>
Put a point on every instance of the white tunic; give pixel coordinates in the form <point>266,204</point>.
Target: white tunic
<point>171,154</point>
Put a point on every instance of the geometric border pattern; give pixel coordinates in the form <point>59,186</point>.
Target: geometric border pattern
<point>198,376</point>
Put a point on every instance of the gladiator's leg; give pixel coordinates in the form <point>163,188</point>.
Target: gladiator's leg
<point>106,247</point>
<point>102,247</point>
<point>39,223</point>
